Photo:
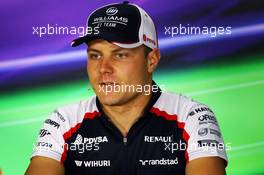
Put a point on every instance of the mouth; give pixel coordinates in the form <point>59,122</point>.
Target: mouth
<point>107,87</point>
<point>107,83</point>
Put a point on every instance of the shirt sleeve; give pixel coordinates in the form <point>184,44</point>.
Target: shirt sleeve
<point>205,138</point>
<point>50,140</point>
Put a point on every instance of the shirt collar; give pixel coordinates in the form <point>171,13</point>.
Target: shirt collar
<point>154,97</point>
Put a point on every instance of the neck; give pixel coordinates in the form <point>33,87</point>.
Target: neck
<point>125,115</point>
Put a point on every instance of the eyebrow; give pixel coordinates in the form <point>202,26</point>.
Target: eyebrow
<point>95,50</point>
<point>119,49</point>
<point>114,51</point>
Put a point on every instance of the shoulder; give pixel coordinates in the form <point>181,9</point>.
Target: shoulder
<point>74,113</point>
<point>202,132</point>
<point>68,117</point>
<point>57,128</point>
<point>178,104</point>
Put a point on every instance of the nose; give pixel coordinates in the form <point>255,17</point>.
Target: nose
<point>106,66</point>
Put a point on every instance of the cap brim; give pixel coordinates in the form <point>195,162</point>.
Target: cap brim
<point>127,46</point>
<point>88,38</point>
<point>84,39</point>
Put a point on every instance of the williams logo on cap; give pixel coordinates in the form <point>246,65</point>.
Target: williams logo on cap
<point>112,11</point>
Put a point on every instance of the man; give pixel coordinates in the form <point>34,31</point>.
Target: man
<point>130,126</point>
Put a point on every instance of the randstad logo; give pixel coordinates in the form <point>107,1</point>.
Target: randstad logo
<point>111,11</point>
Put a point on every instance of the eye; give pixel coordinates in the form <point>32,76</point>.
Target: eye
<point>120,55</point>
<point>94,56</point>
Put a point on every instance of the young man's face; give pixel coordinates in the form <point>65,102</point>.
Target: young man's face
<point>111,67</point>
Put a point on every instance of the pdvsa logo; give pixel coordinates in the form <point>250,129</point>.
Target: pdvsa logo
<point>111,11</point>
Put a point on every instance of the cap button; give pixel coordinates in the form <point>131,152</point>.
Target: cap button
<point>125,2</point>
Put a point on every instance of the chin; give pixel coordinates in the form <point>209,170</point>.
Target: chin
<point>110,99</point>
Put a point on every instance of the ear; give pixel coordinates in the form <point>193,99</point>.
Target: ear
<point>153,59</point>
